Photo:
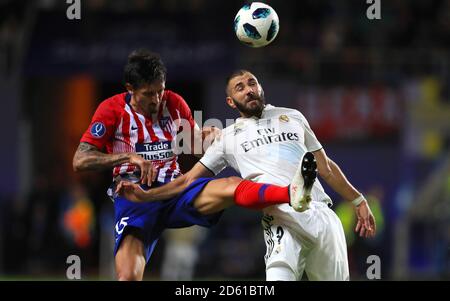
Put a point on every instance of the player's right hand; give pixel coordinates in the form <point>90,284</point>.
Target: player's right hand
<point>131,191</point>
<point>148,170</point>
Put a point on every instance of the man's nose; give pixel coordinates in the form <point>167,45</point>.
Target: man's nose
<point>155,99</point>
<point>250,91</point>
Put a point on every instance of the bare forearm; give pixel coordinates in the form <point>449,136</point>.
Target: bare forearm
<point>337,180</point>
<point>88,157</point>
<point>98,161</point>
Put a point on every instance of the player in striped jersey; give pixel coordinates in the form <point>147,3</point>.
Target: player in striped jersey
<point>136,129</point>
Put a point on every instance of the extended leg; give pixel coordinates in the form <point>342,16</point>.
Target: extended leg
<point>222,193</point>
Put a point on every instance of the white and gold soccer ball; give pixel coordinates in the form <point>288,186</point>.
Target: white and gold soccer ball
<point>256,24</point>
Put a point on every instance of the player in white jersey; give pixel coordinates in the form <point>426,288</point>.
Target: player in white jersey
<point>267,144</point>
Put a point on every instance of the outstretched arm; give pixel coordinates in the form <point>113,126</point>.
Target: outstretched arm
<point>333,175</point>
<point>135,193</point>
<point>88,157</point>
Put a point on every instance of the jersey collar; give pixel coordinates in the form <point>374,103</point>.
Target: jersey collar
<point>127,98</point>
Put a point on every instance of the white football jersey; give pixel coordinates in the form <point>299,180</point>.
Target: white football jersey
<point>271,146</point>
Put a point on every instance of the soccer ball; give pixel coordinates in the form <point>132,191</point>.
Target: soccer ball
<point>256,24</point>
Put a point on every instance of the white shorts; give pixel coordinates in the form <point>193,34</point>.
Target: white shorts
<point>312,241</point>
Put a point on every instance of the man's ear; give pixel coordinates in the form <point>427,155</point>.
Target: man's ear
<point>129,87</point>
<point>230,102</point>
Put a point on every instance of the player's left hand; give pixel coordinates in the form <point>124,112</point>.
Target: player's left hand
<point>149,171</point>
<point>209,134</point>
<point>131,191</point>
<point>366,225</point>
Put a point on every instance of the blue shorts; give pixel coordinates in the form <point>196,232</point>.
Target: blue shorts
<point>153,217</point>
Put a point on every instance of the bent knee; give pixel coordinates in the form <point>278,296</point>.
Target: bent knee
<point>211,206</point>
<point>231,184</point>
<point>235,180</point>
<point>218,196</point>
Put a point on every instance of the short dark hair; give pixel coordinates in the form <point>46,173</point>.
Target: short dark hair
<point>144,67</point>
<point>234,74</point>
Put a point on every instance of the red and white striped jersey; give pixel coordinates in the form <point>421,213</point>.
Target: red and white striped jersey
<point>118,128</point>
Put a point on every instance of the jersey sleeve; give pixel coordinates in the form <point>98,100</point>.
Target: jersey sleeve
<point>311,142</point>
<point>102,127</point>
<point>214,157</point>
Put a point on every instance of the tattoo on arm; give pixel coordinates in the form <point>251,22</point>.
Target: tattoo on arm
<point>89,157</point>
<point>85,147</point>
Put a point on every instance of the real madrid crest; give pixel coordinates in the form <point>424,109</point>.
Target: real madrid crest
<point>284,118</point>
<point>238,127</point>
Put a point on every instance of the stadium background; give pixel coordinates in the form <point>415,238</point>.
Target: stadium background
<point>376,92</point>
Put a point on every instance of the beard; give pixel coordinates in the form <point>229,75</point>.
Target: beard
<point>152,109</point>
<point>251,110</point>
